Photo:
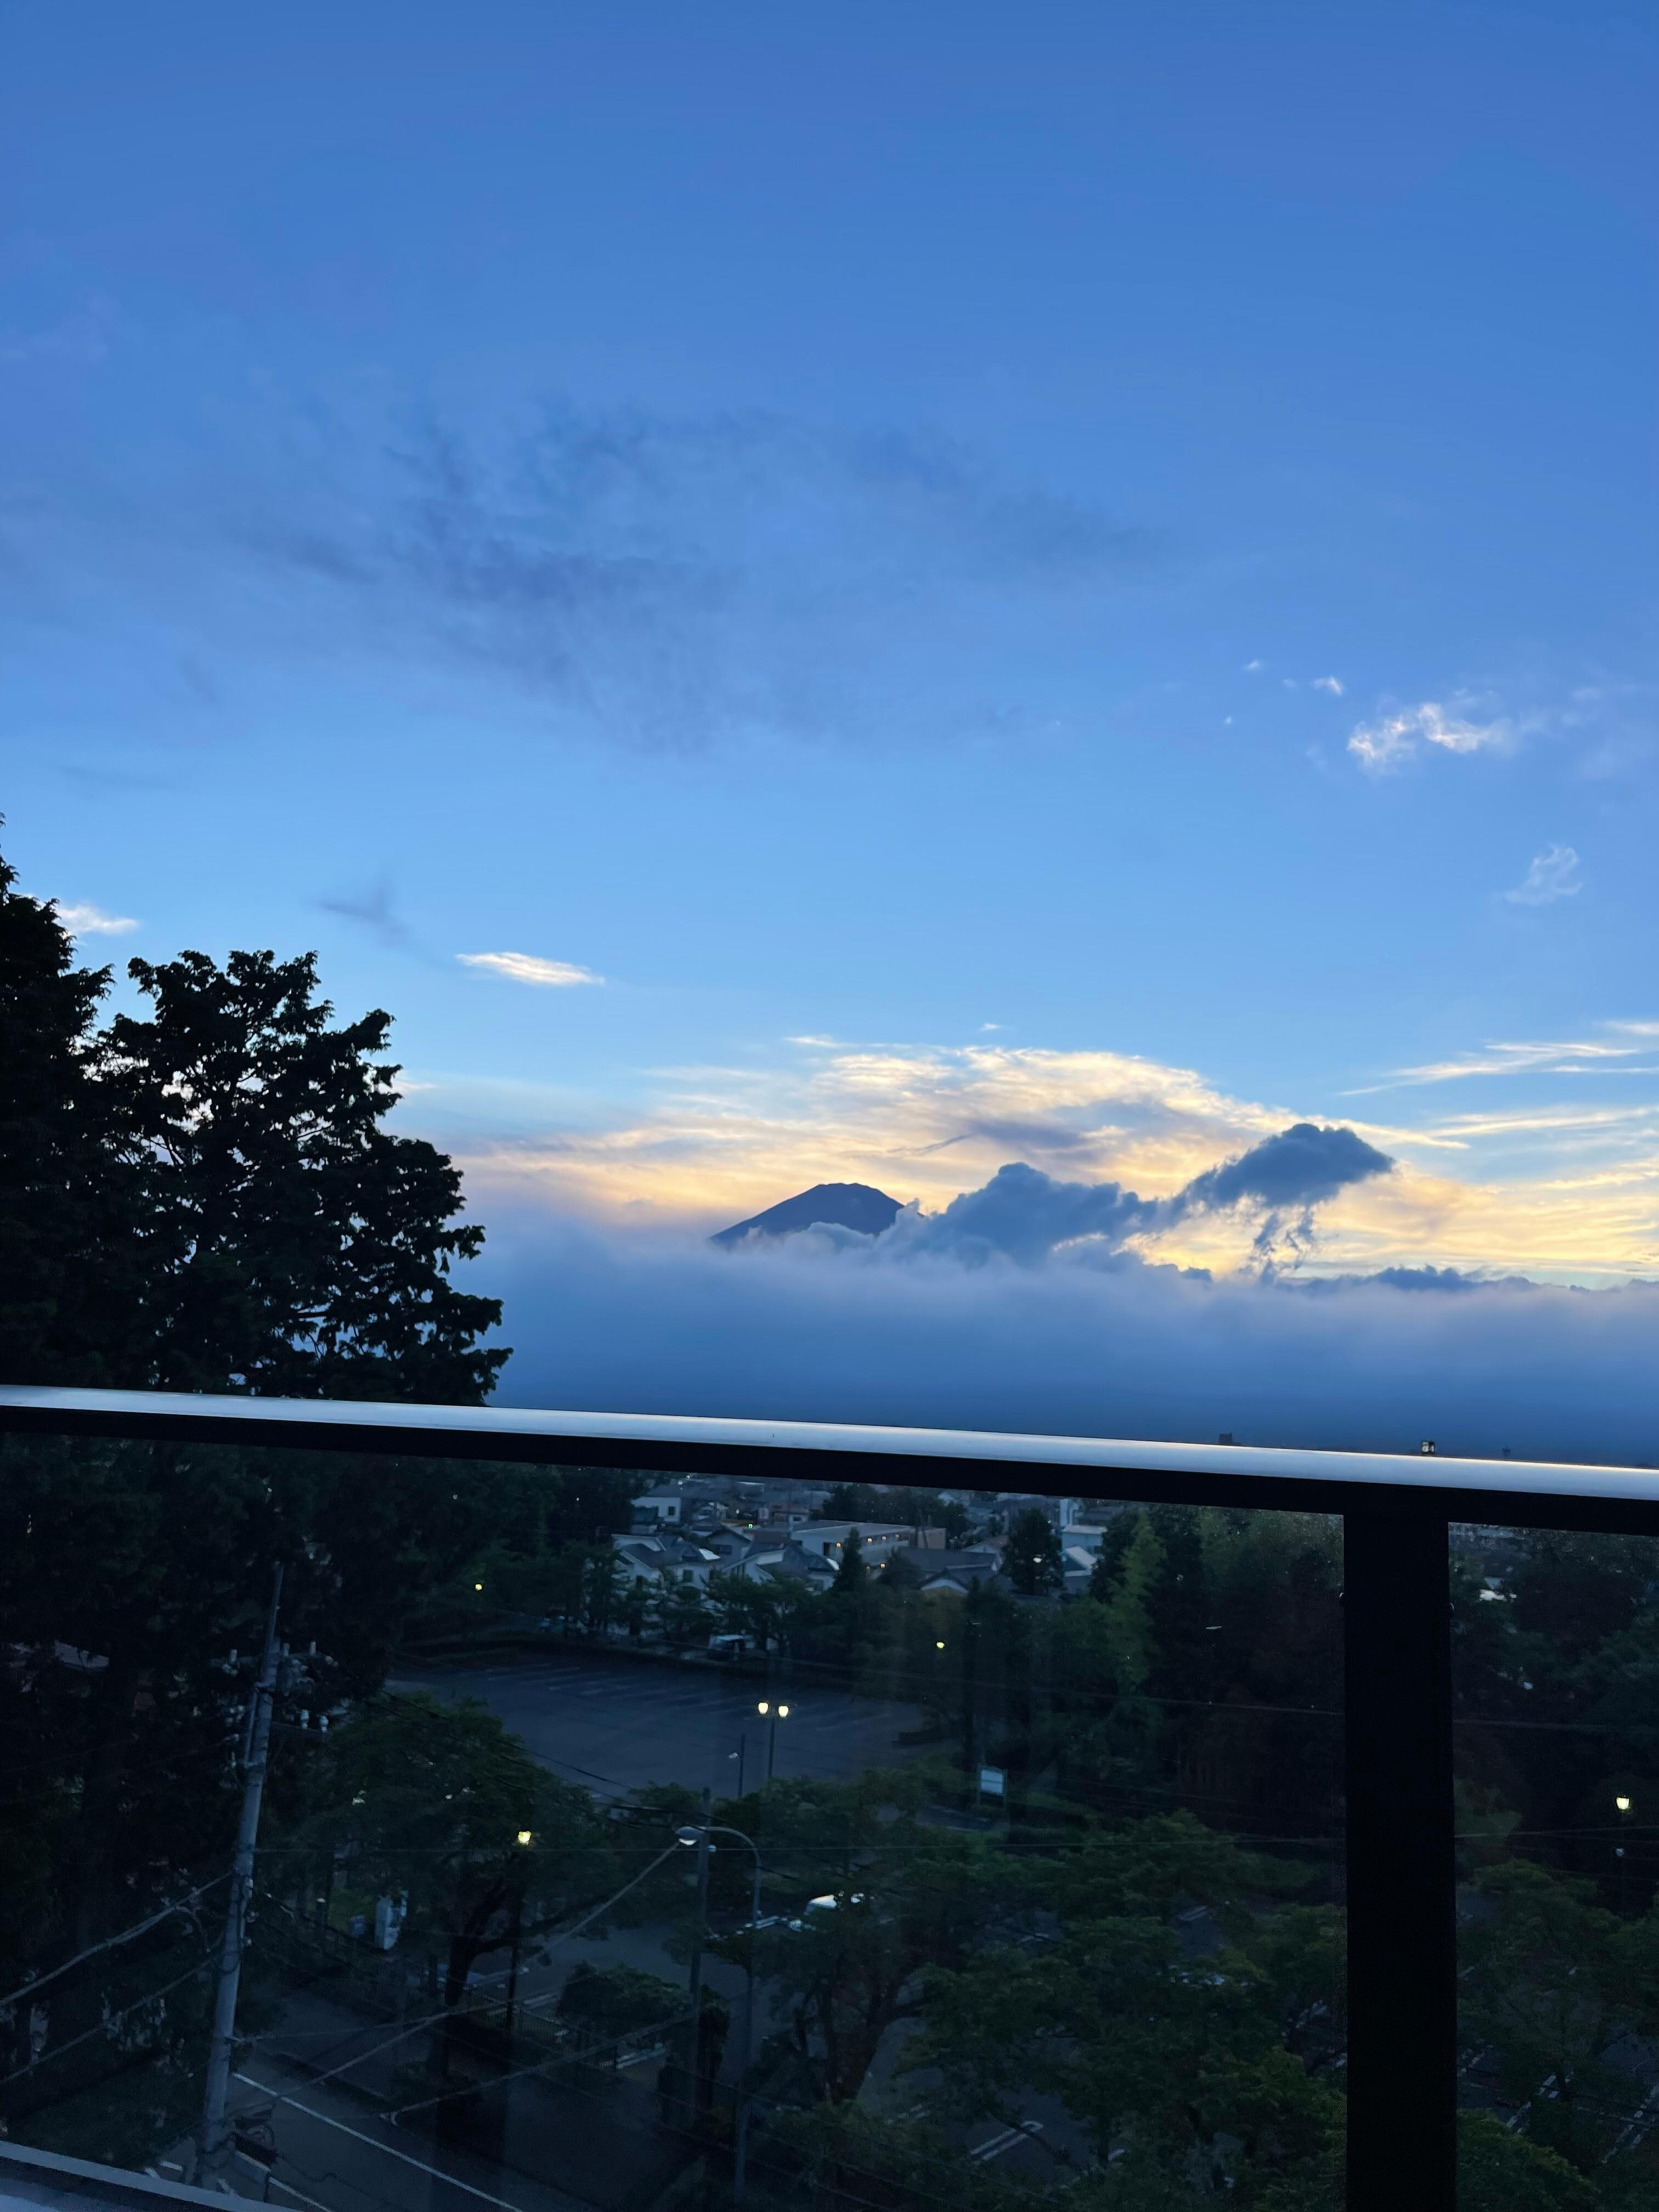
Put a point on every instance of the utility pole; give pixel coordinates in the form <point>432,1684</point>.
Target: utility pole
<point>518,1939</point>
<point>696,2066</point>
<point>702,1911</point>
<point>771,1714</point>
<point>740,2159</point>
<point>700,1836</point>
<point>216,2132</point>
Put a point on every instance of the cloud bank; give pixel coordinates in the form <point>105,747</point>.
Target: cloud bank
<point>810,1330</point>
<point>1024,1306</point>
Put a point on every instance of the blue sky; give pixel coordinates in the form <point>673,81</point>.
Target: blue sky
<point>1072,583</point>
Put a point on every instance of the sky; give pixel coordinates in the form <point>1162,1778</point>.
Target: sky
<point>876,593</point>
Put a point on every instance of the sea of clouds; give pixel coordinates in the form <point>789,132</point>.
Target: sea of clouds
<point>1023,1306</point>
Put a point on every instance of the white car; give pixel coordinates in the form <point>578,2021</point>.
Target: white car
<point>822,1905</point>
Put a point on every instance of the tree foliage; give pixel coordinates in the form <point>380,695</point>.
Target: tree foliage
<point>71,1215</point>
<point>207,1198</point>
<point>869,1504</point>
<point>1031,1556</point>
<point>438,1804</point>
<point>299,1248</point>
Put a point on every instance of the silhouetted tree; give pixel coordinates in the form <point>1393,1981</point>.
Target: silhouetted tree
<point>1031,1557</point>
<point>299,1248</point>
<point>851,1575</point>
<point>71,1219</point>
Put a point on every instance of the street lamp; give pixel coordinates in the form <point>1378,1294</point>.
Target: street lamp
<point>1622,1806</point>
<point>771,1718</point>
<point>691,1836</point>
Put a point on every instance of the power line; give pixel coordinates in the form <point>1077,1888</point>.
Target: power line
<point>105,2026</point>
<point>448,2011</point>
<point>111,1942</point>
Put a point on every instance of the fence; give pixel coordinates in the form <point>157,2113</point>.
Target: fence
<point>1396,1514</point>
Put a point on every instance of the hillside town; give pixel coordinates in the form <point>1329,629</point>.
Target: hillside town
<point>688,1534</point>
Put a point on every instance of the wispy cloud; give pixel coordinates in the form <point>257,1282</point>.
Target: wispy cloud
<point>1331,684</point>
<point>1526,1122</point>
<point>658,578</point>
<point>85,919</point>
<point>1566,1056</point>
<point>1254,667</point>
<point>1553,875</point>
<point>530,968</point>
<point>648,578</point>
<point>1395,735</point>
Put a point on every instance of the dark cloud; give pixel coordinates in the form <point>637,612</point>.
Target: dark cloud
<point>1412,1278</point>
<point>374,913</point>
<point>802,1331</point>
<point>1024,1215</point>
<point>1301,1166</point>
<point>673,578</point>
<point>1426,1278</point>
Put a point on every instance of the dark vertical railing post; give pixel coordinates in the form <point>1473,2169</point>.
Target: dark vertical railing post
<point>1403,1952</point>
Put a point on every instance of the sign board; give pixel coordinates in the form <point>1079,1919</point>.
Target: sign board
<point>993,1781</point>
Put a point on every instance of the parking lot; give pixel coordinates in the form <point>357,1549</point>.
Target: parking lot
<point>617,1722</point>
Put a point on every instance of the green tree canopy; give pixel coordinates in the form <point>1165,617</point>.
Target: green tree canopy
<point>301,1249</point>
<point>439,1803</point>
<point>1031,1556</point>
<point>207,1198</point>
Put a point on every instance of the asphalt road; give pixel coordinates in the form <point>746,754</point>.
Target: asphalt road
<point>617,1723</point>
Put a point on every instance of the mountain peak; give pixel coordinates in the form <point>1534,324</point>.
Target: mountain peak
<point>857,1205</point>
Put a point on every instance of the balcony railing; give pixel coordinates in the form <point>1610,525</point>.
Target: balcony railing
<point>1389,1857</point>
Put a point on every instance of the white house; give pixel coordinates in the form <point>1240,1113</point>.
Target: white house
<point>647,1560</point>
<point>665,1507</point>
<point>881,1540</point>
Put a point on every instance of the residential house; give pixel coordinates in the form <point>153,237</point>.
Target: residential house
<point>671,1558</point>
<point>951,1574</point>
<point>880,1541</point>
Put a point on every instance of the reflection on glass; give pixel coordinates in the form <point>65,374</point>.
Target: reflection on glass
<point>1555,1661</point>
<point>862,1847</point>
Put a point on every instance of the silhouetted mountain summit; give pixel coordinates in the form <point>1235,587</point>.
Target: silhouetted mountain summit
<point>848,1205</point>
